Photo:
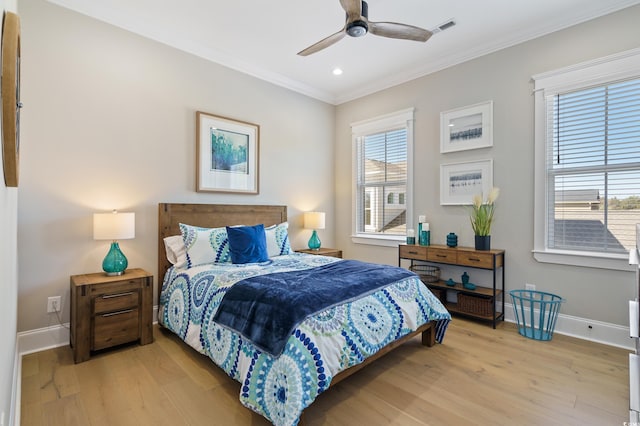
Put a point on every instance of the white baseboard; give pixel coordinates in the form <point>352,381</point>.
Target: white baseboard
<point>42,339</point>
<point>586,329</point>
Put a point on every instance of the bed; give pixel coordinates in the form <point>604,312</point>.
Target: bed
<point>282,372</point>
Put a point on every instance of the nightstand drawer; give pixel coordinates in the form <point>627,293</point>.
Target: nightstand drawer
<point>121,286</point>
<point>115,302</point>
<point>115,328</point>
<point>413,252</point>
<point>442,255</point>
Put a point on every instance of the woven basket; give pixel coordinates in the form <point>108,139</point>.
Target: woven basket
<point>427,273</point>
<point>475,305</point>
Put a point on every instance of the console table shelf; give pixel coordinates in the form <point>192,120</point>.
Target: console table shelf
<point>479,303</point>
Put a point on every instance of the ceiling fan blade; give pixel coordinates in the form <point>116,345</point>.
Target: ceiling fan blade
<point>353,9</point>
<point>322,44</point>
<point>402,31</point>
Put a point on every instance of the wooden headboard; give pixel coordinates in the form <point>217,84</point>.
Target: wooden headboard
<point>209,216</point>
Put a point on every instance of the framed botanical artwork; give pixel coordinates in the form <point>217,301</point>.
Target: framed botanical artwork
<point>227,154</point>
<point>459,182</point>
<point>465,128</point>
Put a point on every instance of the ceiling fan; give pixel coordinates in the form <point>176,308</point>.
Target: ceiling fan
<point>357,25</point>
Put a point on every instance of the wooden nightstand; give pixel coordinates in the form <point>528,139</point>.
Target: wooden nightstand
<point>110,310</point>
<point>323,251</point>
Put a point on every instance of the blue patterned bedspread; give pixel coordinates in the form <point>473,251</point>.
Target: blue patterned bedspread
<point>267,308</point>
<point>321,346</point>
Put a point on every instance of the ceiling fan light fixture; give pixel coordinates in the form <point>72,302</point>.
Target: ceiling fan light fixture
<point>357,29</point>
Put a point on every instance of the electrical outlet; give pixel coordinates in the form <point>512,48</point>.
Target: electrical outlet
<point>53,304</point>
<point>530,287</point>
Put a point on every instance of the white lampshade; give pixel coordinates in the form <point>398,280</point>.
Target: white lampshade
<point>114,226</point>
<point>314,220</point>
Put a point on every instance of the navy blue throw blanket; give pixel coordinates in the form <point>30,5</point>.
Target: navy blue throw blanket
<point>266,309</point>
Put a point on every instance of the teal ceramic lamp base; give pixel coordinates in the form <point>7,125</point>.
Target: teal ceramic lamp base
<point>314,241</point>
<point>115,262</point>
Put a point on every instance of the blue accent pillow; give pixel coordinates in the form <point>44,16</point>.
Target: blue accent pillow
<point>247,244</point>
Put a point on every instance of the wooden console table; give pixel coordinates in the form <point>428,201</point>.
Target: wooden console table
<point>484,297</point>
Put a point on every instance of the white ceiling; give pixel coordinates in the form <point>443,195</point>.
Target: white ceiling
<point>261,38</point>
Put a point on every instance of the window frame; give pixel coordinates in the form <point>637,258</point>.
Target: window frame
<point>392,121</point>
<point>620,66</point>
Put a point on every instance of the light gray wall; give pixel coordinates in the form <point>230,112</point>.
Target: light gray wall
<point>109,122</point>
<point>505,78</point>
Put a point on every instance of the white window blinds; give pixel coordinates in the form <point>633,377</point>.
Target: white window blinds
<point>382,182</point>
<point>593,167</point>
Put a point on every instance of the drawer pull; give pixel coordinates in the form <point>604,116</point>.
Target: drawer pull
<point>413,252</point>
<point>441,255</point>
<point>126,311</point>
<point>474,259</point>
<point>111,296</point>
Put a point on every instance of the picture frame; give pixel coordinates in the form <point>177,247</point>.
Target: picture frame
<point>459,182</point>
<point>469,127</point>
<point>10,93</point>
<point>227,155</point>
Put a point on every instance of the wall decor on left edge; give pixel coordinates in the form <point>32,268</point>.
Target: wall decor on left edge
<point>11,105</point>
<point>227,155</point>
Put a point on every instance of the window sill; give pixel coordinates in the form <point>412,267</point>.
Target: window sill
<point>619,262</point>
<point>378,240</point>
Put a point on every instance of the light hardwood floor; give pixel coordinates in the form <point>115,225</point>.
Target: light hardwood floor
<point>479,376</point>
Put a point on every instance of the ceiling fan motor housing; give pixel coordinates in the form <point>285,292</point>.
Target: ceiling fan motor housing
<point>359,27</point>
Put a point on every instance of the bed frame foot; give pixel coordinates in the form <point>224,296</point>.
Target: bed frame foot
<point>429,337</point>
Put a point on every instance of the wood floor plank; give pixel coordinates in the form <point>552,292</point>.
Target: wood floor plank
<point>478,376</point>
<point>66,411</point>
<point>198,407</point>
<point>365,409</point>
<point>194,364</point>
<point>30,365</point>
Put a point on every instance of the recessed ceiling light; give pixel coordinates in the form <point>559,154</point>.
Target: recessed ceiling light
<point>337,71</point>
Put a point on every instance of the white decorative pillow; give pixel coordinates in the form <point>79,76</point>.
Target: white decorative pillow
<point>278,239</point>
<point>176,251</point>
<point>205,245</point>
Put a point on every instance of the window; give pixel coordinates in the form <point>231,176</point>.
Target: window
<point>588,162</point>
<point>382,156</point>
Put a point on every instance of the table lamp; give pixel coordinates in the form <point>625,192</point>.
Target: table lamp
<point>315,221</point>
<point>114,226</point>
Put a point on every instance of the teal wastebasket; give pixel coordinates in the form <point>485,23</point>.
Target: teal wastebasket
<point>536,313</point>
